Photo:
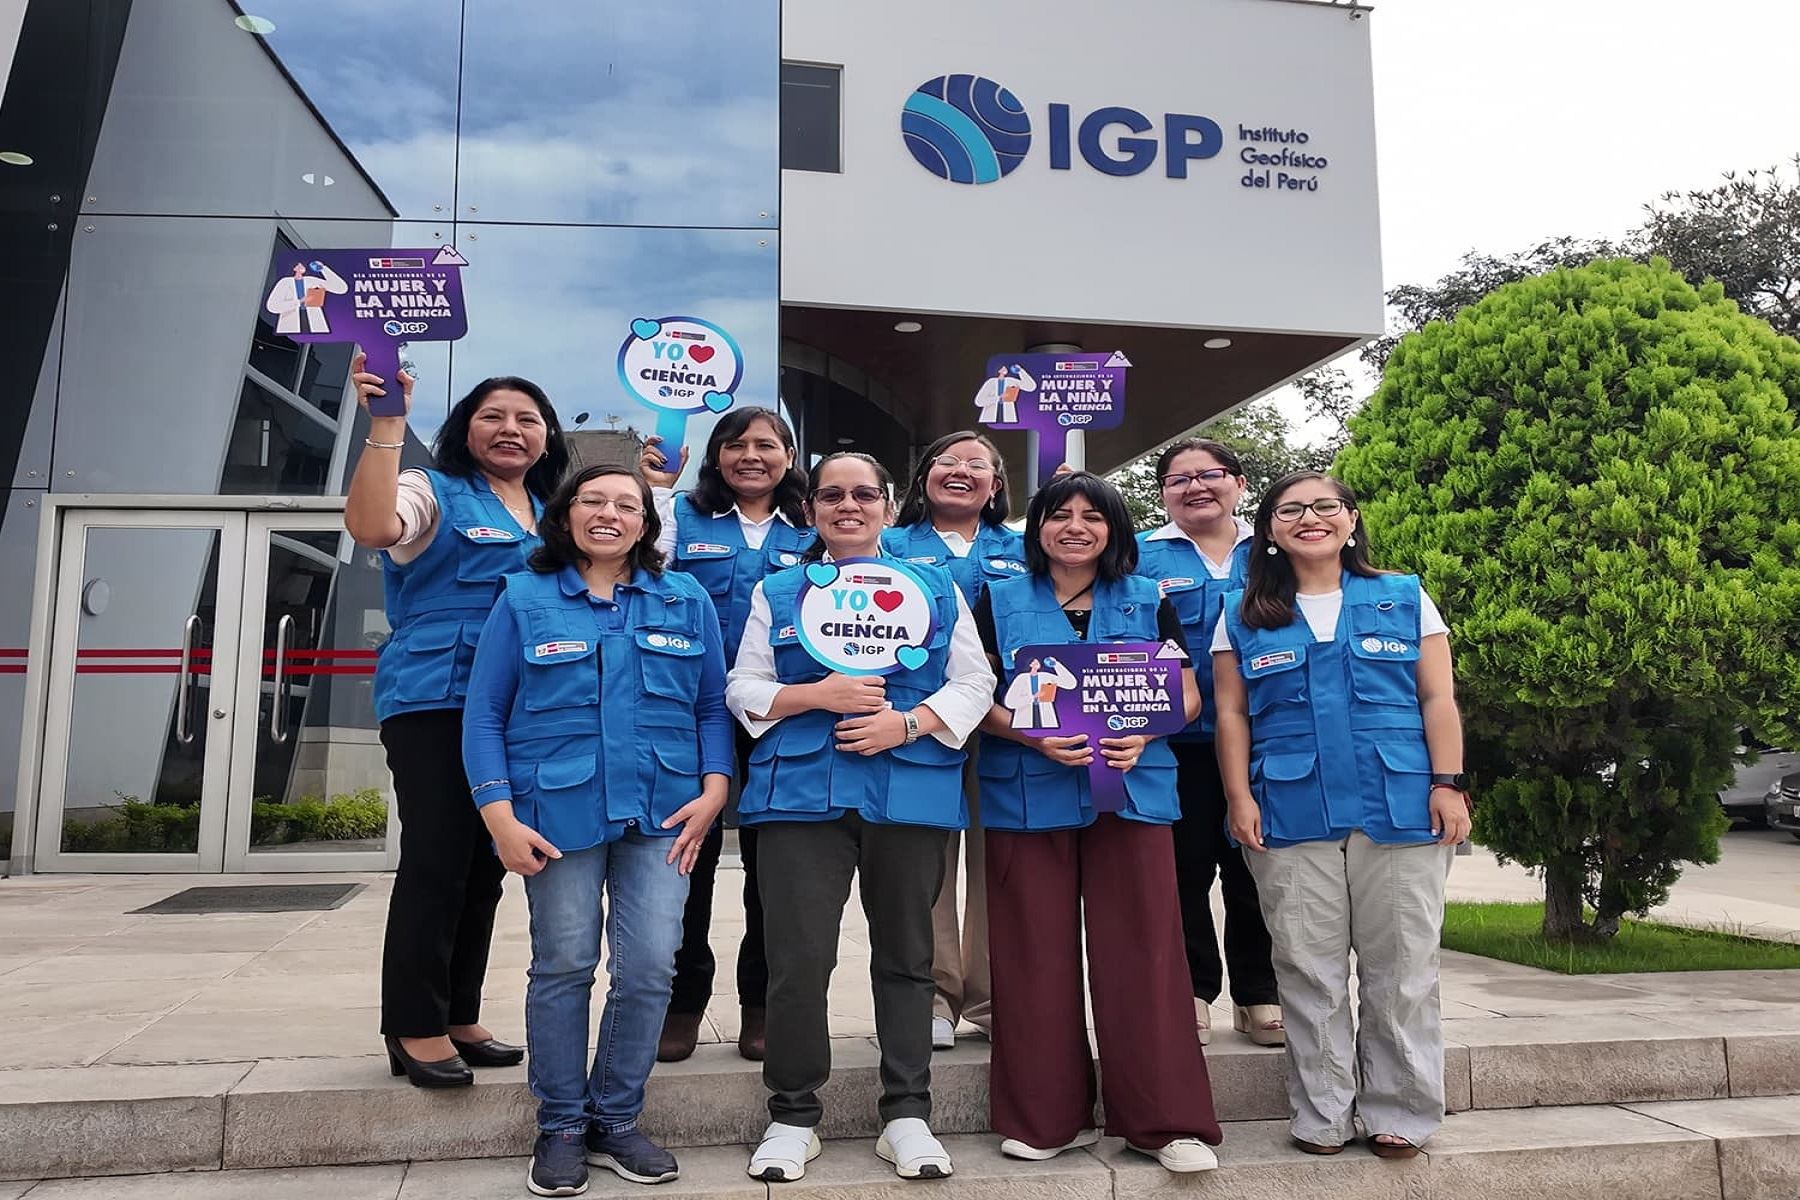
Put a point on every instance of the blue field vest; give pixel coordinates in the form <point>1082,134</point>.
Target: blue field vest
<point>797,773</point>
<point>602,736</point>
<point>712,549</point>
<point>1175,564</point>
<point>998,553</point>
<point>1020,788</point>
<point>1337,741</point>
<point>438,602</point>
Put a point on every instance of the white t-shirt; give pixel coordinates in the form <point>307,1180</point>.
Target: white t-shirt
<point>1172,532</point>
<point>958,545</point>
<point>1321,612</point>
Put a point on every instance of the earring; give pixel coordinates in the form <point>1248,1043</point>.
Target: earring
<point>1273,550</point>
<point>1350,541</point>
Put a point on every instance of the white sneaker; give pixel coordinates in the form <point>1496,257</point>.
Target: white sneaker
<point>782,1155</point>
<point>943,1033</point>
<point>1014,1148</point>
<point>909,1144</point>
<point>1183,1155</point>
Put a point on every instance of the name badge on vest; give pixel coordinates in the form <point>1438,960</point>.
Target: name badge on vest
<point>706,548</point>
<point>787,631</point>
<point>1170,585</point>
<point>487,533</point>
<point>929,560</point>
<point>549,649</point>
<point>1278,658</point>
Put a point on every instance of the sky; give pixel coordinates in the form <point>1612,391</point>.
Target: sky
<point>1501,124</point>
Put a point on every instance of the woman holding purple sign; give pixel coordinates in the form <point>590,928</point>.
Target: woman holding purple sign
<point>954,517</point>
<point>854,774</point>
<point>1052,857</point>
<point>447,536</point>
<point>1341,749</point>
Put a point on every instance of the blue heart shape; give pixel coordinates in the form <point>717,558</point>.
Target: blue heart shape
<point>820,574</point>
<point>717,401</point>
<point>645,328</point>
<point>911,657</point>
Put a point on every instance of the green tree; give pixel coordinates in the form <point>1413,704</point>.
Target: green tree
<point>1595,473</point>
<point>1741,232</point>
<point>1264,440</point>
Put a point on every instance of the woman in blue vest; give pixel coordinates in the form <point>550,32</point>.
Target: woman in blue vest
<point>600,747</point>
<point>852,775</point>
<point>1196,558</point>
<point>447,536</point>
<point>1341,750</point>
<point>1053,859</point>
<point>742,520</point>
<point>953,517</point>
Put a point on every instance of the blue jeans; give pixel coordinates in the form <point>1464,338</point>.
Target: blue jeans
<point>643,930</point>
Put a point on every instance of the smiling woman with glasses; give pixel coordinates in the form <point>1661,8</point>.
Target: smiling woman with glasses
<point>1201,554</point>
<point>852,775</point>
<point>600,746</point>
<point>954,517</point>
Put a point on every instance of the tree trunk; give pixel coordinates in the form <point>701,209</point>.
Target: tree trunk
<point>1563,879</point>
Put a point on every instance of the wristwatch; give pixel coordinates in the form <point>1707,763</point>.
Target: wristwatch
<point>1457,782</point>
<point>912,728</point>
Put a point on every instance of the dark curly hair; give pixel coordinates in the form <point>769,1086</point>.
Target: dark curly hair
<point>559,549</point>
<point>450,449</point>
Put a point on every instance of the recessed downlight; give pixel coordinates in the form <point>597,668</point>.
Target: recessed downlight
<point>1218,343</point>
<point>907,327</point>
<point>14,158</point>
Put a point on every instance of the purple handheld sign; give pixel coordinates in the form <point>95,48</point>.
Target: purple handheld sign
<point>1101,689</point>
<point>1053,394</point>
<point>380,299</point>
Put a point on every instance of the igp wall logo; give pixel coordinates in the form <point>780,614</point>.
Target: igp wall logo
<point>969,129</point>
<point>965,128</point>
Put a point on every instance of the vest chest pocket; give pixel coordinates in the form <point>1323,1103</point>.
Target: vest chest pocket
<point>677,774</point>
<point>560,674</point>
<point>425,663</point>
<point>1288,789</point>
<point>671,662</point>
<point>1273,676</point>
<point>485,552</point>
<point>711,564</point>
<point>1188,598</point>
<point>1406,780</point>
<point>563,797</point>
<point>779,560</point>
<point>1384,653</point>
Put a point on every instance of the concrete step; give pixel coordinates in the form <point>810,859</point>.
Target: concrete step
<point>1706,1150</point>
<point>309,1112</point>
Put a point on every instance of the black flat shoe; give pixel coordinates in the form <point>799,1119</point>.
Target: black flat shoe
<point>445,1073</point>
<point>489,1053</point>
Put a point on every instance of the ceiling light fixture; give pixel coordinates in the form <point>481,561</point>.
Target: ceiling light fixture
<point>15,159</point>
<point>907,327</point>
<point>1217,343</point>
<point>250,24</point>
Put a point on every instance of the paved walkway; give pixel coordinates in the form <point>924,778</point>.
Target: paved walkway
<point>85,982</point>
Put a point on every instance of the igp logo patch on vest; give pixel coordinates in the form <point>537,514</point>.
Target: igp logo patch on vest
<point>672,641</point>
<point>1375,645</point>
<point>487,533</point>
<point>1007,564</point>
<point>551,649</point>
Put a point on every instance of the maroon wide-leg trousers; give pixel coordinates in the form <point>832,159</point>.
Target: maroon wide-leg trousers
<point>1041,1081</point>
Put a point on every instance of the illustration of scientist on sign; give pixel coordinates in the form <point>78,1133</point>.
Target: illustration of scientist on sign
<point>1032,694</point>
<point>301,296</point>
<point>998,398</point>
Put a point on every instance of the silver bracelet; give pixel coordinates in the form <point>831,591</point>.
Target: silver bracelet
<point>384,445</point>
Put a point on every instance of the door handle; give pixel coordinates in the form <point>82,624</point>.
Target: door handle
<point>183,731</point>
<point>278,722</point>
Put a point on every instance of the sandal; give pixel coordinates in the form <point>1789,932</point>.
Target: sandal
<point>1203,1020</point>
<point>1395,1147</point>
<point>1261,1023</point>
<point>1316,1147</point>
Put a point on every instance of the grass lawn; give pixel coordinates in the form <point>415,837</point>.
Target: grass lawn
<point>1511,932</point>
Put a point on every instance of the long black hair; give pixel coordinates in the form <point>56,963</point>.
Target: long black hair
<point>450,449</point>
<point>1269,593</point>
<point>1224,455</point>
<point>559,549</point>
<point>714,496</point>
<point>816,551</point>
<point>915,508</point>
<point>1120,556</point>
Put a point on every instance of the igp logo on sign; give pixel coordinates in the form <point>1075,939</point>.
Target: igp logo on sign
<point>866,616</point>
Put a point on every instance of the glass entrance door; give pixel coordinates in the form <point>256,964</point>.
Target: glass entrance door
<point>210,696</point>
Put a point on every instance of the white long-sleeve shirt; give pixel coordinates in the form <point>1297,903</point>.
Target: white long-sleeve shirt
<point>965,698</point>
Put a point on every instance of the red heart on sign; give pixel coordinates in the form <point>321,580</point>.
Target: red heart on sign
<point>701,353</point>
<point>888,601</point>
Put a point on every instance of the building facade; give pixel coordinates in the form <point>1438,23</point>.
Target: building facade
<point>864,201</point>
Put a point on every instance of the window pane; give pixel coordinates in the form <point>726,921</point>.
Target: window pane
<point>274,448</point>
<point>810,108</point>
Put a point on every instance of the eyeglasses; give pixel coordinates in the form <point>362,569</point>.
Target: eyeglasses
<point>866,493</point>
<point>1210,475</point>
<point>975,466</point>
<point>1293,510</point>
<point>625,508</point>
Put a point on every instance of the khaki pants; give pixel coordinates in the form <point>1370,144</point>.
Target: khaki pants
<point>959,962</point>
<point>1321,901</point>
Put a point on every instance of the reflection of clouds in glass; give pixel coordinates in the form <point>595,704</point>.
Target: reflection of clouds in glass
<point>553,303</point>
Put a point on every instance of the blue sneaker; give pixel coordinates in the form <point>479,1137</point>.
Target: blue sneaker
<point>630,1155</point>
<point>558,1166</point>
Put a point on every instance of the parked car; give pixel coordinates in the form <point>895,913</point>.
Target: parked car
<point>1748,796</point>
<point>1782,808</point>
